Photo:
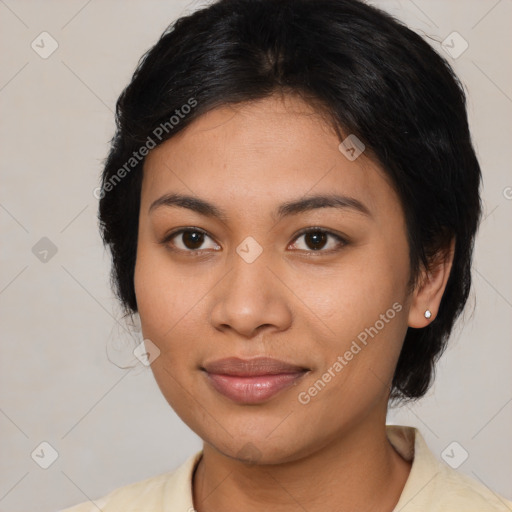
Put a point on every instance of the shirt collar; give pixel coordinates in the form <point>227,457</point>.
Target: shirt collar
<point>407,441</point>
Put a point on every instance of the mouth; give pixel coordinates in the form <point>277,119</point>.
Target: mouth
<point>252,381</point>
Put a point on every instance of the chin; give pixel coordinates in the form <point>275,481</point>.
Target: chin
<point>260,450</point>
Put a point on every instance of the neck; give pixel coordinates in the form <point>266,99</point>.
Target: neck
<point>360,470</point>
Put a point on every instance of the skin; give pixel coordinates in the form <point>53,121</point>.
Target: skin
<point>292,303</point>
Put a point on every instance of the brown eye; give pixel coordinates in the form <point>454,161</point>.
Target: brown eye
<point>189,240</point>
<point>316,239</point>
<point>192,239</point>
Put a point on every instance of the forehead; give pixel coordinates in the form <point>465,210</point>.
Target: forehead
<point>267,151</point>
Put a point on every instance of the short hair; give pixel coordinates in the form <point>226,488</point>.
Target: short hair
<point>370,76</point>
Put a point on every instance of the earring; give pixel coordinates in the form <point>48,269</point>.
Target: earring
<point>428,313</point>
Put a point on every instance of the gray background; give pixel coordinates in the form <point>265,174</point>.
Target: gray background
<point>61,328</point>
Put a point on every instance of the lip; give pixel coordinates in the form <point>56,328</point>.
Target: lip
<point>251,381</point>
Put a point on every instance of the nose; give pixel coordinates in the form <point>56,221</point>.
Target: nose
<point>250,299</point>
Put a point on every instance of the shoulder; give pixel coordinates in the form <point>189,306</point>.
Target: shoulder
<point>433,485</point>
<point>129,495</point>
<point>149,495</point>
<point>460,492</point>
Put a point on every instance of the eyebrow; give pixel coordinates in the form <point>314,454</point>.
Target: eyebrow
<point>286,209</point>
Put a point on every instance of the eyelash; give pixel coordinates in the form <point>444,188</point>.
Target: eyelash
<point>199,252</point>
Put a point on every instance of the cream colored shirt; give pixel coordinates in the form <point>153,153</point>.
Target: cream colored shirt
<point>432,486</point>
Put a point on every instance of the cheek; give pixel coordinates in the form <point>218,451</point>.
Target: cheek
<point>165,294</point>
<point>153,289</point>
<point>165,302</point>
<point>353,295</point>
<point>363,304</point>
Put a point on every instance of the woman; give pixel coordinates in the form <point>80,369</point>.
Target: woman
<point>291,201</point>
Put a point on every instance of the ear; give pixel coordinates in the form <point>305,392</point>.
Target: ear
<point>430,288</point>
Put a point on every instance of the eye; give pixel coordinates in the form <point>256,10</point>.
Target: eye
<point>192,240</point>
<point>316,239</point>
<point>189,240</point>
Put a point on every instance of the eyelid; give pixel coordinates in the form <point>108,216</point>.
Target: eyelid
<point>169,236</point>
<point>173,233</point>
<point>342,239</point>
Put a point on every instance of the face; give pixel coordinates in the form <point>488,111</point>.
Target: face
<point>238,277</point>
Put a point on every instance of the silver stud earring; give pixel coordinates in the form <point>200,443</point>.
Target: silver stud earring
<point>428,313</point>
